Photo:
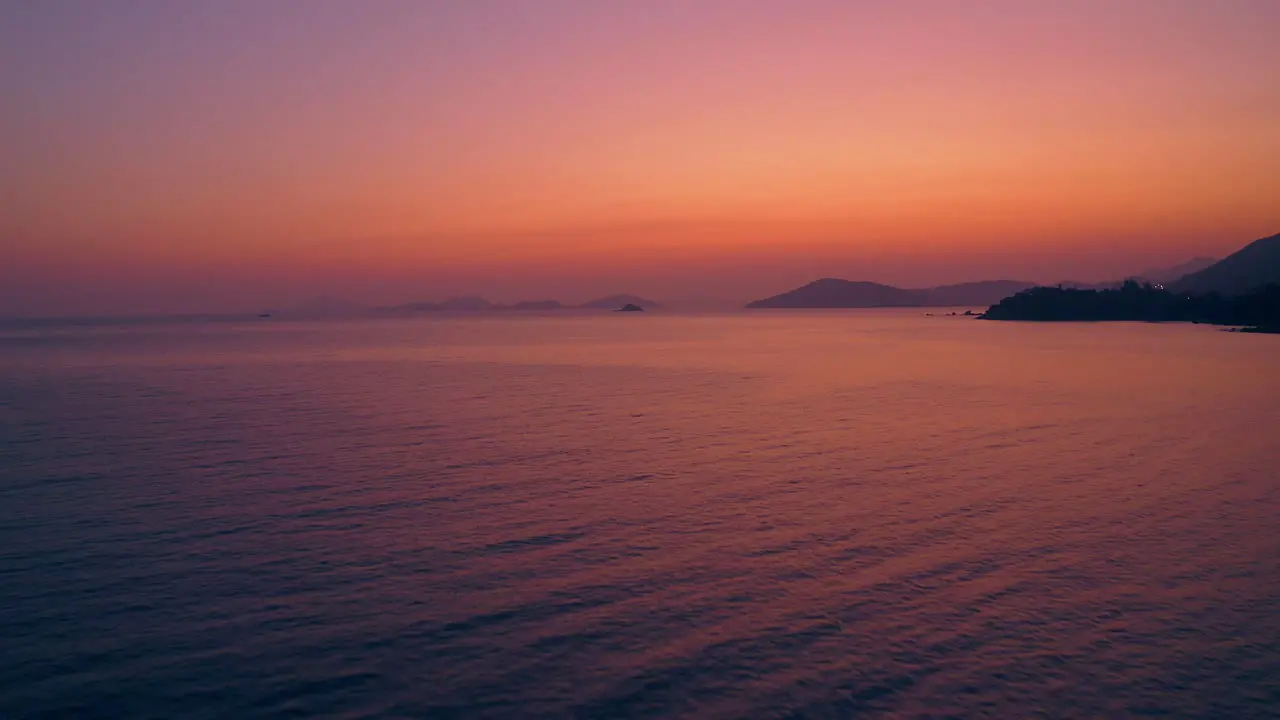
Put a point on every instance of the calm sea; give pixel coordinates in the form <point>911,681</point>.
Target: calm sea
<point>774,515</point>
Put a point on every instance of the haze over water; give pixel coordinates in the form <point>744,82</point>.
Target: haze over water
<point>754,515</point>
<point>184,157</point>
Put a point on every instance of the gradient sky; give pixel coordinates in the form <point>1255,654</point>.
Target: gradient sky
<point>166,156</point>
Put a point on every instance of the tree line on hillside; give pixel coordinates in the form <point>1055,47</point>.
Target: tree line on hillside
<point>1259,308</point>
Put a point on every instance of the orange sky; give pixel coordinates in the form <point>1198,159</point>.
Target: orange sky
<point>190,156</point>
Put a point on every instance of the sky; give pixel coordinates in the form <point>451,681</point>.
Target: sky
<point>234,155</point>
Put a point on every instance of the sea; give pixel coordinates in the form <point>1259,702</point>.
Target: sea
<point>773,514</point>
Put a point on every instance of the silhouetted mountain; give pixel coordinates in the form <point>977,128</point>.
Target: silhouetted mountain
<point>613,302</point>
<point>535,305</point>
<point>407,308</point>
<point>629,307</point>
<point>1134,301</point>
<point>1158,276</point>
<point>974,293</point>
<point>1170,274</point>
<point>835,293</point>
<point>472,303</point>
<point>318,308</point>
<point>1253,266</point>
<point>1074,285</point>
<point>468,302</point>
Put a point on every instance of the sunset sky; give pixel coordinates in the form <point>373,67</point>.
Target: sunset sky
<point>165,156</point>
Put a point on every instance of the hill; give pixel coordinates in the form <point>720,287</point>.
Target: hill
<point>1138,302</point>
<point>1171,274</point>
<point>1160,276</point>
<point>613,302</point>
<point>1253,266</point>
<point>474,303</point>
<point>534,305</point>
<point>974,293</point>
<point>469,303</point>
<point>836,293</point>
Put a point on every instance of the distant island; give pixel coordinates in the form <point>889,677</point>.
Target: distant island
<point>536,305</point>
<point>630,307</point>
<point>836,293</point>
<point>1242,289</point>
<point>614,302</point>
<point>472,303</point>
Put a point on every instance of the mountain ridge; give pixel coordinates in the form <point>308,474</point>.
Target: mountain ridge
<point>613,302</point>
<point>1249,268</point>
<point>839,293</point>
<point>475,303</point>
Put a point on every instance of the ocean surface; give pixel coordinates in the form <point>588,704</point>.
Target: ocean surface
<point>770,515</point>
